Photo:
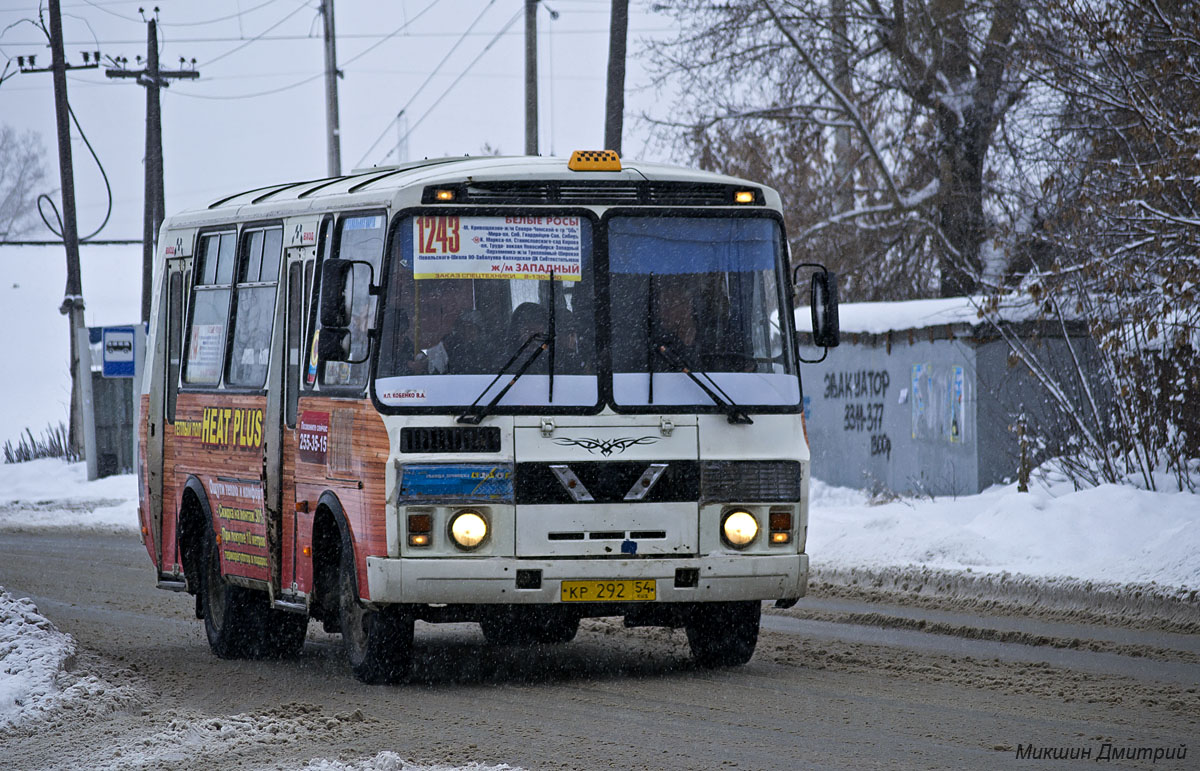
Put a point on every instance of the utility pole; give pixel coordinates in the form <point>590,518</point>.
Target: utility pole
<point>849,245</point>
<point>531,86</point>
<point>614,106</point>
<point>153,78</point>
<point>333,139</point>
<point>72,304</point>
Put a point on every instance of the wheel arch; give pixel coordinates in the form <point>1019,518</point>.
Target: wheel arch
<point>331,537</point>
<point>195,514</point>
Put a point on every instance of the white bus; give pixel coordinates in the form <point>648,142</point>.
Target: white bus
<point>512,391</point>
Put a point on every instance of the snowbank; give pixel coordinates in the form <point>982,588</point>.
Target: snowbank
<point>32,654</point>
<point>50,493</point>
<point>877,318</point>
<point>1111,533</point>
<point>37,671</point>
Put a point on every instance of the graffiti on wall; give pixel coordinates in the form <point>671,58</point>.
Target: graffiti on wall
<point>865,394</point>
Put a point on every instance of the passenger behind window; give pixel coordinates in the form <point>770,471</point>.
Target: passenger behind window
<point>398,357</point>
<point>678,323</point>
<point>466,350</point>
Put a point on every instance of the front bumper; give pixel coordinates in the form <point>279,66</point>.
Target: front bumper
<point>493,580</point>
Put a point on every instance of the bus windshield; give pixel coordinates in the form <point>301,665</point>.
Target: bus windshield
<point>466,293</point>
<point>702,294</point>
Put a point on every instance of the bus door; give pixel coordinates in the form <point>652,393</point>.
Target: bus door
<point>282,401</point>
<point>163,394</point>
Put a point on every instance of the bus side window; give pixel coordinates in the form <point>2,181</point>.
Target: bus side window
<point>359,237</point>
<point>174,340</point>
<point>312,291</point>
<point>295,310</point>
<point>254,303</point>
<point>209,317</point>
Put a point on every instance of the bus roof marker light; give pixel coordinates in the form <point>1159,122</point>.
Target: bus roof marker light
<point>743,196</point>
<point>594,160</point>
<point>444,195</point>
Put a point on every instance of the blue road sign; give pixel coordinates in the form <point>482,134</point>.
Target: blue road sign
<point>118,344</point>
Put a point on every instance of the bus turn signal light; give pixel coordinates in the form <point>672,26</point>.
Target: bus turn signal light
<point>781,525</point>
<point>419,528</point>
<point>594,160</point>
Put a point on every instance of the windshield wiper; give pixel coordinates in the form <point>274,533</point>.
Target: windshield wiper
<point>474,414</point>
<point>732,409</point>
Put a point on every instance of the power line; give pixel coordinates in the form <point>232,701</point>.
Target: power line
<point>100,7</point>
<point>450,88</point>
<point>421,87</point>
<point>391,34</point>
<point>311,78</point>
<point>342,36</point>
<point>256,38</point>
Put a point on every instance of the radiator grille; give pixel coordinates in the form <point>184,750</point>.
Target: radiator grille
<point>450,439</point>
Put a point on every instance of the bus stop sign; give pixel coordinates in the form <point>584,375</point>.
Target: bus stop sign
<point>118,344</point>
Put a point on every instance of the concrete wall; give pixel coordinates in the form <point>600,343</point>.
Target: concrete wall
<point>1006,391</point>
<point>936,417</point>
<point>901,419</point>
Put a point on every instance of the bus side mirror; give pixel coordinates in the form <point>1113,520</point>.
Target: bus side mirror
<point>824,303</point>
<point>333,344</point>
<point>338,279</point>
<point>336,293</point>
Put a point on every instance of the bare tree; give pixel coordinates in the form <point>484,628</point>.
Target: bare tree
<point>896,105</point>
<point>1119,246</point>
<point>22,170</point>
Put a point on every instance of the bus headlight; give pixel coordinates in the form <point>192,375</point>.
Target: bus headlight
<point>468,529</point>
<point>739,528</point>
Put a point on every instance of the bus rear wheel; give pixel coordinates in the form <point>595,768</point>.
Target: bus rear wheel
<point>724,634</point>
<point>238,621</point>
<point>233,625</point>
<point>378,642</point>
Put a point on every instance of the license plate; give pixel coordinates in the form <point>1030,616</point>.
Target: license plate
<point>608,591</point>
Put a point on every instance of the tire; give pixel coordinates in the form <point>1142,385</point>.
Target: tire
<point>234,616</point>
<point>724,634</point>
<point>378,643</point>
<point>529,626</point>
<point>238,621</point>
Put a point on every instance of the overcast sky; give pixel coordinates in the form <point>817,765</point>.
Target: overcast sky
<point>257,113</point>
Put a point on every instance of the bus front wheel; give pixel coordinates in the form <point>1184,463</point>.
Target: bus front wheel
<point>724,634</point>
<point>378,642</point>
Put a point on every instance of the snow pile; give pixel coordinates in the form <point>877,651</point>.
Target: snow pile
<point>37,677</point>
<point>50,493</point>
<point>390,761</point>
<point>1109,533</point>
<point>196,740</point>
<point>878,318</point>
<point>32,655</point>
